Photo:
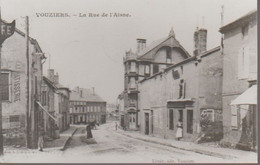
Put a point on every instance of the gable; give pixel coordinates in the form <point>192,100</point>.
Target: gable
<point>169,42</point>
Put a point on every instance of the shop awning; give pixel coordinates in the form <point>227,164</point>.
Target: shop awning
<point>46,110</point>
<point>247,98</point>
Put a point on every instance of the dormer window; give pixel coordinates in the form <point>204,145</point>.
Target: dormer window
<point>168,56</point>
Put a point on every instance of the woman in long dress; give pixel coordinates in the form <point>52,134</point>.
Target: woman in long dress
<point>179,130</point>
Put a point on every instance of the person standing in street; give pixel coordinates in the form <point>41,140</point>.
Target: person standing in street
<point>179,130</point>
<point>116,126</point>
<point>41,139</point>
<point>89,133</point>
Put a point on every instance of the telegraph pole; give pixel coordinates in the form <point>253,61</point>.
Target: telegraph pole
<point>28,121</point>
<point>1,117</point>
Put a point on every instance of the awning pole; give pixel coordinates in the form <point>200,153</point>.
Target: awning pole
<point>46,111</point>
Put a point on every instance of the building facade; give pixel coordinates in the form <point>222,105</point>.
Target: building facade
<point>86,106</point>
<point>239,75</point>
<point>188,91</point>
<point>146,62</point>
<point>55,103</point>
<point>20,119</point>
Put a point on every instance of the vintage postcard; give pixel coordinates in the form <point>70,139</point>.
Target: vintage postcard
<point>133,81</point>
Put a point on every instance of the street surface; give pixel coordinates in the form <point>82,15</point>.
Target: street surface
<point>113,147</point>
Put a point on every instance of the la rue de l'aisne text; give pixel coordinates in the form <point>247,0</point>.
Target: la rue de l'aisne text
<point>93,15</point>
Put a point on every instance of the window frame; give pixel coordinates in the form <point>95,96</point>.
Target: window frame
<point>9,86</point>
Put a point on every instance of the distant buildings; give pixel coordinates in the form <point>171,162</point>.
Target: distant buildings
<point>86,106</point>
<point>239,94</point>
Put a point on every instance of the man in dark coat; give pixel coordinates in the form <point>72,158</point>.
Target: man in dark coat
<point>89,133</point>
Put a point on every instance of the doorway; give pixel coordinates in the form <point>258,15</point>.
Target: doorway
<point>180,115</point>
<point>146,123</point>
<point>132,120</point>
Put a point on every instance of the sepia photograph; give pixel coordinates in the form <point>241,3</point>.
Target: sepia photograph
<point>128,81</point>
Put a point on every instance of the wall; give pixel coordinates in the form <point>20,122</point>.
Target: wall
<point>14,61</point>
<point>158,90</point>
<point>233,86</point>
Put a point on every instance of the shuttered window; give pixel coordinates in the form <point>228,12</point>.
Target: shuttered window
<point>4,82</point>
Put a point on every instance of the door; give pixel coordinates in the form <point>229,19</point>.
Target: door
<point>132,120</point>
<point>180,115</point>
<point>146,123</point>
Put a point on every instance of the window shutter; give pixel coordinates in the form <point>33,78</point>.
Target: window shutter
<point>184,89</point>
<point>246,62</point>
<point>252,63</point>
<point>234,114</point>
<point>240,64</point>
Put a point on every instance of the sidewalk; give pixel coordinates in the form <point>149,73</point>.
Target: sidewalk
<point>216,151</point>
<point>62,141</point>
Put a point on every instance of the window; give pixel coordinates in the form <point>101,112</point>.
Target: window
<point>147,69</point>
<point>190,121</point>
<point>181,89</point>
<point>168,56</point>
<point>133,67</point>
<point>14,118</point>
<point>4,82</point>
<point>132,82</point>
<point>44,98</point>
<point>181,69</point>
<point>171,120</point>
<point>243,63</point>
<point>155,68</point>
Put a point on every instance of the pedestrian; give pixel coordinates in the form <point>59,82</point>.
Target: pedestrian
<point>116,126</point>
<point>89,133</point>
<point>41,139</point>
<point>179,130</point>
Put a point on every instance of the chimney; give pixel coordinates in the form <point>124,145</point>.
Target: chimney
<point>141,44</point>
<point>81,93</point>
<point>93,91</point>
<point>200,41</point>
<point>56,78</point>
<point>51,74</point>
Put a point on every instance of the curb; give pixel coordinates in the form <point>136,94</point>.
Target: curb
<point>209,153</point>
<point>67,141</point>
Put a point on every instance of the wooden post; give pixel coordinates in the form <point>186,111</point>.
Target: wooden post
<point>1,117</point>
<point>28,121</point>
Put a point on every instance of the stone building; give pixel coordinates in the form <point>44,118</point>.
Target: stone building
<point>86,106</point>
<point>147,61</point>
<point>55,103</point>
<point>20,120</point>
<point>189,90</point>
<point>239,79</point>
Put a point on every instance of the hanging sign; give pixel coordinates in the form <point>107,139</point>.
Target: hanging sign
<point>6,29</point>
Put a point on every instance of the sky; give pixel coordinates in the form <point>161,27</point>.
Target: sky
<point>88,51</point>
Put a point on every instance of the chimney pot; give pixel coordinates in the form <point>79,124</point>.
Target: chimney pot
<point>141,44</point>
<point>200,41</point>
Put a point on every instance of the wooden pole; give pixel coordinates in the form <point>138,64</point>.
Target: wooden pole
<point>1,117</point>
<point>28,121</point>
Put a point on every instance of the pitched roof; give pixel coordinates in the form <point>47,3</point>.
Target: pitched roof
<point>157,43</point>
<point>87,95</point>
<point>240,21</point>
